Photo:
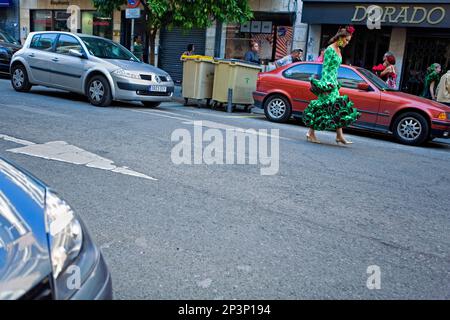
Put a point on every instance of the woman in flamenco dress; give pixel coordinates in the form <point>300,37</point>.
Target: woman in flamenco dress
<point>330,111</point>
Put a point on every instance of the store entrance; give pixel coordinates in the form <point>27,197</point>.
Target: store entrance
<point>367,47</point>
<point>423,48</point>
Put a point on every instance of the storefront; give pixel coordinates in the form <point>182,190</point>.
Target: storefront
<point>416,31</point>
<point>272,30</point>
<point>9,17</point>
<point>52,15</point>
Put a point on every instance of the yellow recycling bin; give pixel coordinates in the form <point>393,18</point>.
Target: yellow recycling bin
<point>237,75</point>
<point>198,78</point>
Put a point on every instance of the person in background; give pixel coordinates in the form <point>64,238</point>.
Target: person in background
<point>189,52</point>
<point>443,90</point>
<point>138,48</point>
<point>380,68</point>
<point>432,78</point>
<point>252,55</point>
<point>389,73</point>
<point>295,56</point>
<point>320,57</point>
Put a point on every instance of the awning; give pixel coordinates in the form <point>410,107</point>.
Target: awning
<point>277,18</point>
<point>5,3</point>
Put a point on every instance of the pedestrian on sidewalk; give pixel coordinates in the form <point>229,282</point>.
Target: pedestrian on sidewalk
<point>432,78</point>
<point>252,55</point>
<point>295,56</point>
<point>443,90</point>
<point>189,52</point>
<point>320,57</point>
<point>138,48</point>
<point>331,110</point>
<point>389,74</point>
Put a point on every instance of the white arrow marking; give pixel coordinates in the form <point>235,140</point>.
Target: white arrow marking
<point>64,152</point>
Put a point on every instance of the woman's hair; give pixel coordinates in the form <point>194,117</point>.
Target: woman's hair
<point>190,47</point>
<point>390,58</point>
<point>342,32</point>
<point>432,68</point>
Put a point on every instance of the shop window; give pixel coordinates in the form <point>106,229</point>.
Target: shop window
<point>41,20</point>
<point>94,24</point>
<point>66,43</point>
<point>302,72</point>
<point>274,42</point>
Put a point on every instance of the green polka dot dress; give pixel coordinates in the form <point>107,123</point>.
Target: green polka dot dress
<point>331,110</point>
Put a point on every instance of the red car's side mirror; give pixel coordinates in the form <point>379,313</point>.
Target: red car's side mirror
<point>363,86</point>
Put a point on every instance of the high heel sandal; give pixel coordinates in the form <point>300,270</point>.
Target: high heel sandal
<point>313,140</point>
<point>343,141</point>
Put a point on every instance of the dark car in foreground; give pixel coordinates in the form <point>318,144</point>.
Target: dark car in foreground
<point>412,120</point>
<point>45,249</point>
<point>8,46</point>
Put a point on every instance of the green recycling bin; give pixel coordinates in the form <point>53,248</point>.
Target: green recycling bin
<point>237,75</point>
<point>198,78</point>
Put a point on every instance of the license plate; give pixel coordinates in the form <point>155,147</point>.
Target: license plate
<point>158,89</point>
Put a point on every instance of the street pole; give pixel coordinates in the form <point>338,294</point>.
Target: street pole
<point>132,36</point>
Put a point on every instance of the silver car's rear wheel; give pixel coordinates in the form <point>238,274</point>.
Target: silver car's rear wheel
<point>99,91</point>
<point>19,78</point>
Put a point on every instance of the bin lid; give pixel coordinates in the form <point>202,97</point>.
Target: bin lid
<point>238,62</point>
<point>197,58</point>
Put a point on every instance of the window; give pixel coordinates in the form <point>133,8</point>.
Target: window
<point>66,43</point>
<point>94,23</point>
<point>302,72</point>
<point>348,78</point>
<point>43,41</point>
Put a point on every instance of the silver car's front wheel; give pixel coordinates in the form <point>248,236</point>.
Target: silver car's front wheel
<point>99,91</point>
<point>96,91</point>
<point>19,78</point>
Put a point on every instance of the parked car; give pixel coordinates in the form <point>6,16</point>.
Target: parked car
<point>96,67</point>
<point>45,250</point>
<point>285,92</point>
<point>8,46</point>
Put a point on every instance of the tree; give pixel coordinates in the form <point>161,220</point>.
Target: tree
<point>186,14</point>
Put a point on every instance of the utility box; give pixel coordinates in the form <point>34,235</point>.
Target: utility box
<point>198,77</point>
<point>238,76</point>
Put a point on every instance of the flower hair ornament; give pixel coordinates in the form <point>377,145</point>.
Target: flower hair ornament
<point>350,29</point>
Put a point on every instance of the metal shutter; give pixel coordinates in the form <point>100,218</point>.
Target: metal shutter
<point>173,43</point>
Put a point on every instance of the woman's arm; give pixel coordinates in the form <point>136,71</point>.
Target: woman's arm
<point>432,90</point>
<point>386,71</point>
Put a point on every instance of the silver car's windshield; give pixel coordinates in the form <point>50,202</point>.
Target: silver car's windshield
<point>107,49</point>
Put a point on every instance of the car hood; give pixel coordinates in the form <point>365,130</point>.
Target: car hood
<point>24,252</point>
<point>137,66</point>
<point>414,99</point>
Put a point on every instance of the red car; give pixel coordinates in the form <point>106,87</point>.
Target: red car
<point>284,92</point>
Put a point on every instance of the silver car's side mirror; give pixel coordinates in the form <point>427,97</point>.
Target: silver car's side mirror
<point>75,53</point>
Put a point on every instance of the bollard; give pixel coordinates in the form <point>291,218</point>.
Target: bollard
<point>230,101</point>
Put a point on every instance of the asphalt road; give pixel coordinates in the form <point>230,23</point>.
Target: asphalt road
<point>228,232</point>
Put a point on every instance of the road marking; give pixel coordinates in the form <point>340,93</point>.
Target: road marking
<point>35,110</point>
<point>64,152</point>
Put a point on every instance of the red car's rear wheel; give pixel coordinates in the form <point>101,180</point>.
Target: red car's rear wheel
<point>277,108</point>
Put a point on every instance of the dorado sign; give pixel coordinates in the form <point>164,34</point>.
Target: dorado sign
<point>402,14</point>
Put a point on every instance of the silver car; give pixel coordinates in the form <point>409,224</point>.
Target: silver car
<point>96,67</point>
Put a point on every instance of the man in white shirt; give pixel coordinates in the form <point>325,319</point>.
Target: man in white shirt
<point>295,56</point>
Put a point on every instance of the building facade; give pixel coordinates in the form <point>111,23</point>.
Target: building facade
<point>416,31</point>
<point>9,17</point>
<point>46,15</point>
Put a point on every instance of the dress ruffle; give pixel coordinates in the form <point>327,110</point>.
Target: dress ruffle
<point>330,115</point>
